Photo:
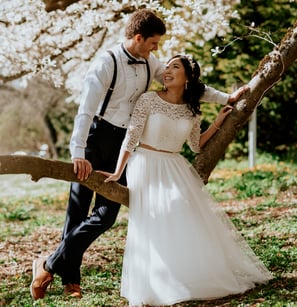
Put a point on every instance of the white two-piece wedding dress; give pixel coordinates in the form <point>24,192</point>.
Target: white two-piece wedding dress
<point>180,244</point>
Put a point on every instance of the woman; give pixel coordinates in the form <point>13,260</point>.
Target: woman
<point>180,244</point>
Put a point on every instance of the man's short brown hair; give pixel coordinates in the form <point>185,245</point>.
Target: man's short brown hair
<point>146,23</point>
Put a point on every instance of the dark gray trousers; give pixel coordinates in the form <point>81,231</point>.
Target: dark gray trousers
<point>81,228</point>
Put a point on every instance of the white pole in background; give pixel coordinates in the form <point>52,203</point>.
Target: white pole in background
<point>252,139</point>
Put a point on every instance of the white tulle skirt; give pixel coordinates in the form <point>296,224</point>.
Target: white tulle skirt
<point>180,244</point>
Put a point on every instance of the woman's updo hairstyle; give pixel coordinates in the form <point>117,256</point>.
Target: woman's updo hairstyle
<point>194,88</point>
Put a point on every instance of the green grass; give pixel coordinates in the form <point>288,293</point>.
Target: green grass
<point>262,204</point>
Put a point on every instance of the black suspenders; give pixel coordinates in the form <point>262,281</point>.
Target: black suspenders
<point>111,87</point>
<point>114,77</point>
<point>148,75</point>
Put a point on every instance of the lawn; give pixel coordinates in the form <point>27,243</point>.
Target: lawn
<point>261,202</point>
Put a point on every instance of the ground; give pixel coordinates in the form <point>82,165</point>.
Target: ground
<point>18,252</point>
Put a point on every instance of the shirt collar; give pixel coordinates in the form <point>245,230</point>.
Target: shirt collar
<point>131,59</point>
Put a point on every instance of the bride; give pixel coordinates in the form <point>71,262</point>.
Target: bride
<point>180,244</point>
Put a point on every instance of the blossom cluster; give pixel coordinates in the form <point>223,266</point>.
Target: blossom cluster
<point>60,45</point>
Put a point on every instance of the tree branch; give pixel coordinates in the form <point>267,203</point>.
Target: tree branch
<point>53,5</point>
<point>269,72</point>
<point>40,168</point>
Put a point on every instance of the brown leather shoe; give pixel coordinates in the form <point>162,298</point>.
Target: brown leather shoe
<point>41,279</point>
<point>73,290</point>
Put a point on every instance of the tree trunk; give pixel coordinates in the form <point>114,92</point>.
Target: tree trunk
<point>39,168</point>
<point>269,72</point>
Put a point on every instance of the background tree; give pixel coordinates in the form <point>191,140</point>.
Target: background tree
<point>261,26</point>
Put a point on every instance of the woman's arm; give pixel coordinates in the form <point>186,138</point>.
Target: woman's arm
<point>122,161</point>
<point>215,126</point>
<point>133,134</point>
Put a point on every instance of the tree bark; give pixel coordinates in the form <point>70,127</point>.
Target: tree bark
<point>269,72</point>
<point>53,5</point>
<point>40,168</point>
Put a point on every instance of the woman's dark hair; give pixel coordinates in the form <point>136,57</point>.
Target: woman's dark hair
<point>146,23</point>
<point>194,88</point>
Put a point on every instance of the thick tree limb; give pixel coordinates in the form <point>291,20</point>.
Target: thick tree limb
<point>52,5</point>
<point>40,168</point>
<point>270,71</point>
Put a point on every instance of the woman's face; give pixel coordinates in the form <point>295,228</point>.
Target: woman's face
<point>174,74</point>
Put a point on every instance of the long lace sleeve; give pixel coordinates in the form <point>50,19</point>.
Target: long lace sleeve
<point>137,123</point>
<point>194,138</point>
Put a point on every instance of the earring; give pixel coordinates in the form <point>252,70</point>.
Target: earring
<point>186,85</point>
<point>164,88</point>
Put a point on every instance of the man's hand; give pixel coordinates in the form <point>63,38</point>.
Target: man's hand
<point>82,168</point>
<point>234,97</point>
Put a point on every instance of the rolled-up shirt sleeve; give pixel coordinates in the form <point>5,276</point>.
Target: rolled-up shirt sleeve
<point>79,135</point>
<point>160,67</point>
<point>213,95</point>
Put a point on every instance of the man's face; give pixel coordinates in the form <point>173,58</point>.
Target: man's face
<point>144,47</point>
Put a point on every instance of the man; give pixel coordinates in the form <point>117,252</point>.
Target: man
<point>98,147</point>
<point>99,130</point>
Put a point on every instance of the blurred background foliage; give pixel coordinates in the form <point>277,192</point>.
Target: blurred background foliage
<point>242,50</point>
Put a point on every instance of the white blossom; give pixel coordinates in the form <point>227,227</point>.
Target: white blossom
<point>60,45</point>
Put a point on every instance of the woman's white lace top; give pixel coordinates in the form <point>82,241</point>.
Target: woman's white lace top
<point>162,125</point>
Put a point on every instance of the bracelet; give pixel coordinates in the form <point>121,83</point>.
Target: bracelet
<point>214,124</point>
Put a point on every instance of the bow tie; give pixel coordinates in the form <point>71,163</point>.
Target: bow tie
<point>131,62</point>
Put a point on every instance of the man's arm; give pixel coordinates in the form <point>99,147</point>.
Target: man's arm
<point>94,91</point>
<point>213,95</point>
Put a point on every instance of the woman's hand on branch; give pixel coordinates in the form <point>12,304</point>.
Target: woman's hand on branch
<point>122,161</point>
<point>224,112</point>
<point>206,135</point>
<point>110,176</point>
